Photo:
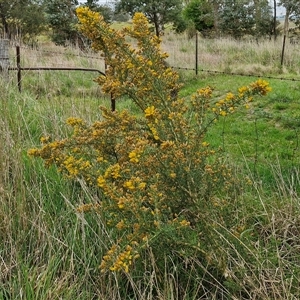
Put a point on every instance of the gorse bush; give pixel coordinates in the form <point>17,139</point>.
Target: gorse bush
<point>157,177</point>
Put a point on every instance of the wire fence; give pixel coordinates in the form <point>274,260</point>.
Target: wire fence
<point>238,74</point>
<point>82,55</point>
<point>74,59</point>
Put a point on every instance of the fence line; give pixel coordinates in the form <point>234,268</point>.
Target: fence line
<point>196,68</point>
<point>238,74</point>
<point>18,68</point>
<point>61,53</point>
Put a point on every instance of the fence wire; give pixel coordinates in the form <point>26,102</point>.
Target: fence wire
<point>62,53</point>
<point>237,74</point>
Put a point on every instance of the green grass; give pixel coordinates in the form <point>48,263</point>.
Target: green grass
<point>50,251</point>
<point>268,131</point>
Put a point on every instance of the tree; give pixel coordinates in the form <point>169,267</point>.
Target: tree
<point>5,13</point>
<point>200,12</point>
<point>231,17</point>
<point>105,10</point>
<point>62,20</point>
<point>264,23</point>
<point>274,30</point>
<point>237,18</point>
<point>22,19</point>
<point>158,13</point>
<point>292,8</point>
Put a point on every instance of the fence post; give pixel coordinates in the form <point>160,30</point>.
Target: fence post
<point>112,98</point>
<point>4,57</point>
<point>19,78</point>
<point>196,53</point>
<point>282,51</point>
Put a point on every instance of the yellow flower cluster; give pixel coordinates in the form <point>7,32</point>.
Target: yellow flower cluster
<point>134,183</point>
<point>121,261</point>
<point>75,121</point>
<point>113,171</point>
<point>205,92</point>
<point>75,166</point>
<point>226,105</point>
<point>134,156</point>
<point>261,86</point>
<point>229,104</point>
<point>154,132</point>
<point>88,207</point>
<point>145,79</point>
<point>150,112</point>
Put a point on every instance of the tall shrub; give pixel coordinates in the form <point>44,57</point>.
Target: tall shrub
<point>156,174</point>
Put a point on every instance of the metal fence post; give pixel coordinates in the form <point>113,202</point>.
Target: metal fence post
<point>19,68</point>
<point>196,53</point>
<point>112,98</point>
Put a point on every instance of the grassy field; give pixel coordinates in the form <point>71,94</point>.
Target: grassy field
<point>48,250</point>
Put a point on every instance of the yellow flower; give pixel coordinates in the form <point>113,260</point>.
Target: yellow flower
<point>154,132</point>
<point>261,86</point>
<point>173,175</point>
<point>167,144</point>
<point>205,92</point>
<point>84,207</point>
<point>33,152</point>
<point>149,111</point>
<point>184,223</point>
<point>121,204</point>
<point>44,139</point>
<point>113,171</point>
<point>74,121</point>
<point>101,181</point>
<point>120,225</point>
<point>142,185</point>
<point>242,90</point>
<point>229,97</point>
<point>129,185</point>
<point>134,156</point>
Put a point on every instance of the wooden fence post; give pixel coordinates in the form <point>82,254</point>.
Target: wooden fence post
<point>4,57</point>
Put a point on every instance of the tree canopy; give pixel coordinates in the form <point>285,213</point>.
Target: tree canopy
<point>26,19</point>
<point>292,8</point>
<point>62,20</point>
<point>200,12</point>
<point>158,13</point>
<point>230,17</point>
<point>22,19</point>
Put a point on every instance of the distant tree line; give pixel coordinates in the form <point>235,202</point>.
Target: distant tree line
<point>24,20</point>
